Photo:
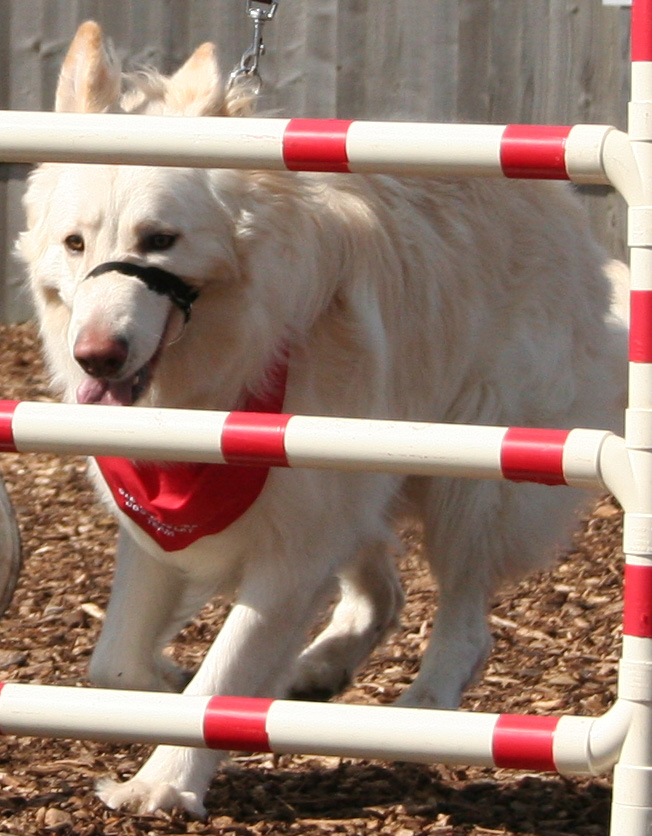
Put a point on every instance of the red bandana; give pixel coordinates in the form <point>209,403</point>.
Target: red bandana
<point>179,503</point>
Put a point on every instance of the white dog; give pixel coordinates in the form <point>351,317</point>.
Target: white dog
<point>471,300</point>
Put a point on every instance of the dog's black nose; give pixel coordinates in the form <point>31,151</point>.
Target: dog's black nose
<point>101,355</point>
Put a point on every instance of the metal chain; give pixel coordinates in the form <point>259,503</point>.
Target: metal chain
<point>260,11</point>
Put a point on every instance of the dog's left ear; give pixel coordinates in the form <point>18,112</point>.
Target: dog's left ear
<point>197,89</point>
<point>89,81</point>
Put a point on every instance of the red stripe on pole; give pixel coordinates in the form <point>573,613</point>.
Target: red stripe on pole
<point>640,326</point>
<point>238,723</point>
<point>533,455</point>
<point>637,605</point>
<point>525,742</point>
<point>7,409</point>
<point>255,438</point>
<point>642,30</point>
<point>534,151</point>
<point>316,145</point>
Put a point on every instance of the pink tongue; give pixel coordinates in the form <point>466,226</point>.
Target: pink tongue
<point>93,390</point>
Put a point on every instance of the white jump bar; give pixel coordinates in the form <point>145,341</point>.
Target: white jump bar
<point>569,745</point>
<point>528,151</point>
<point>576,457</point>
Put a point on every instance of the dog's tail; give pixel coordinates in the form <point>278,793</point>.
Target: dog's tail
<point>618,275</point>
<point>618,325</point>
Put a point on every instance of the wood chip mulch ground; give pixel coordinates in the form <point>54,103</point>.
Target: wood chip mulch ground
<point>557,639</point>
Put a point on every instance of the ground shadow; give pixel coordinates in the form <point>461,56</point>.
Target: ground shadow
<point>364,792</point>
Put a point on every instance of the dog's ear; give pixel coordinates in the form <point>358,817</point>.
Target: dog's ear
<point>196,89</point>
<point>89,81</point>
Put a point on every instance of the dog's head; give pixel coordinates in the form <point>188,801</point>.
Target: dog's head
<point>106,332</point>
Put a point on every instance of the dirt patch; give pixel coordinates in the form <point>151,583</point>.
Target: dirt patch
<point>557,640</point>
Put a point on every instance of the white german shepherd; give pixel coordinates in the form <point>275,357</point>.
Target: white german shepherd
<point>468,300</point>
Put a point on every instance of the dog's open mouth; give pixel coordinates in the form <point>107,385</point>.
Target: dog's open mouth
<point>125,391</point>
<point>115,392</point>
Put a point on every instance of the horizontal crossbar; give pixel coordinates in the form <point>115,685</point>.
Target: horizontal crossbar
<point>549,456</point>
<point>568,745</point>
<point>333,145</point>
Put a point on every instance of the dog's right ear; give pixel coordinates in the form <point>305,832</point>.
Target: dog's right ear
<point>89,81</point>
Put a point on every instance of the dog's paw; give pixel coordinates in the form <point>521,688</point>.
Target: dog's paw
<point>319,678</point>
<point>137,796</point>
<point>173,677</point>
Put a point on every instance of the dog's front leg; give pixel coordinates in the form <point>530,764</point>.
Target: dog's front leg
<point>145,593</point>
<point>252,656</point>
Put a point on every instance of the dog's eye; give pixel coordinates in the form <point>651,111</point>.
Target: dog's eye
<point>158,241</point>
<point>74,243</point>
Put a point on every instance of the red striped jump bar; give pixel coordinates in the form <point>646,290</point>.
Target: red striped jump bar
<point>577,152</point>
<point>551,744</point>
<point>545,456</point>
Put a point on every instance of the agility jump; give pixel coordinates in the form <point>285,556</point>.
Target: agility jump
<point>584,154</point>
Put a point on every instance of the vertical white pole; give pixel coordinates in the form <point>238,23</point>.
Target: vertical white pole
<point>632,790</point>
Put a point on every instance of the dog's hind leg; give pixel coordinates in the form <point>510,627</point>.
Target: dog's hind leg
<point>370,601</point>
<point>460,545</point>
<point>457,651</point>
<point>478,535</point>
<point>138,624</point>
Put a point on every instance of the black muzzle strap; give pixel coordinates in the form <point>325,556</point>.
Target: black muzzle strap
<point>160,281</point>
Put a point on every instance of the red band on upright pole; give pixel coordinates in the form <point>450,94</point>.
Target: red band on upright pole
<point>255,438</point>
<point>237,723</point>
<point>525,742</point>
<point>7,409</point>
<point>316,145</point>
<point>640,327</point>
<point>642,30</point>
<point>637,612</point>
<point>533,455</point>
<point>534,151</point>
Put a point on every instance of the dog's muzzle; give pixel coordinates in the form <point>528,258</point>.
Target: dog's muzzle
<point>160,281</point>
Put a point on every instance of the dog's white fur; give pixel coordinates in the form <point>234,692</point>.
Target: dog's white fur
<point>469,300</point>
